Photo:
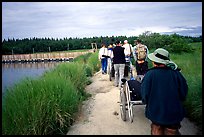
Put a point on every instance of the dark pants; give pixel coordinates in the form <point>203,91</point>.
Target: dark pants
<point>127,69</point>
<point>141,68</point>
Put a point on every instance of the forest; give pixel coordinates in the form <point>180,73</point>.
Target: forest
<point>173,42</point>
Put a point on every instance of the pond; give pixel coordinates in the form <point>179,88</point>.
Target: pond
<point>12,73</point>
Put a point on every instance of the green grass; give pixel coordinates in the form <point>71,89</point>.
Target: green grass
<point>83,58</point>
<point>191,65</point>
<point>91,63</point>
<point>47,105</point>
<point>94,63</point>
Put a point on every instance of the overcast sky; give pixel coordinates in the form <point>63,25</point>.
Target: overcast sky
<point>88,19</point>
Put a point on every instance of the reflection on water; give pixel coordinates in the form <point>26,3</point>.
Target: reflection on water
<point>29,65</point>
<point>12,73</point>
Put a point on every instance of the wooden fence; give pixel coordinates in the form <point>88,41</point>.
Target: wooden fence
<point>37,57</point>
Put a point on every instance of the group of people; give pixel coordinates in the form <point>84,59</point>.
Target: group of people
<point>163,88</point>
<point>120,55</point>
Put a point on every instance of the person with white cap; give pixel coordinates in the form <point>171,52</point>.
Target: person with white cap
<point>128,49</point>
<point>163,90</point>
<point>128,53</point>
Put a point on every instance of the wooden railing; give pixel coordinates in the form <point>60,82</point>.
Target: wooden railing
<point>55,56</point>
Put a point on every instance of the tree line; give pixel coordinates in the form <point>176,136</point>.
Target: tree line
<point>171,42</point>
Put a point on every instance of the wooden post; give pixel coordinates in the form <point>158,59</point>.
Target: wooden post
<point>94,46</point>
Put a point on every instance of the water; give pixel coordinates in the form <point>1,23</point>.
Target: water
<point>12,73</point>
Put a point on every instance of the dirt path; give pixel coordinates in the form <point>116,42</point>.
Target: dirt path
<point>100,115</point>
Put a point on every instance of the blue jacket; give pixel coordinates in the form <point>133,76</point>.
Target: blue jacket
<point>163,90</point>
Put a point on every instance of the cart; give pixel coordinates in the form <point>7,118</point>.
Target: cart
<point>130,96</point>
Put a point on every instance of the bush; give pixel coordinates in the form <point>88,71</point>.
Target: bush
<point>178,46</point>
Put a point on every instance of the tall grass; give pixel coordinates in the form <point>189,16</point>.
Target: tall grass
<point>94,63</point>
<point>83,58</point>
<point>191,65</point>
<point>74,72</point>
<point>91,63</point>
<point>47,105</point>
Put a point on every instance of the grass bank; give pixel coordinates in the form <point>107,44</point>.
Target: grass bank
<point>47,105</point>
<point>191,65</point>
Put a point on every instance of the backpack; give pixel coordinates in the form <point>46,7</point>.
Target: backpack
<point>141,54</point>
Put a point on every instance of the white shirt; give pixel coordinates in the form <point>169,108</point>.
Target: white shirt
<point>102,51</point>
<point>110,53</point>
<point>128,49</point>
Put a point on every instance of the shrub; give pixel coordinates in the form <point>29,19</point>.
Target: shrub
<point>179,45</point>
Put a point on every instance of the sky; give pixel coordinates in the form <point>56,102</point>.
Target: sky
<point>95,19</point>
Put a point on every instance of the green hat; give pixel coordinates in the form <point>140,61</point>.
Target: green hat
<point>161,55</point>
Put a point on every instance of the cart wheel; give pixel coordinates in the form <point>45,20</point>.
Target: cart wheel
<point>131,114</point>
<point>123,104</point>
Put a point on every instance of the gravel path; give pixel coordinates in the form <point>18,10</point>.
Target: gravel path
<point>100,115</point>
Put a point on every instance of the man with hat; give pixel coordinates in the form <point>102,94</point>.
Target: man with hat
<point>163,90</point>
<point>128,54</point>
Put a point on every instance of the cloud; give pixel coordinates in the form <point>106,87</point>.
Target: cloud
<point>186,31</point>
<point>87,19</point>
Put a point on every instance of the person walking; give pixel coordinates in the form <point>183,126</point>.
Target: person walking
<point>103,53</point>
<point>140,56</point>
<point>128,53</point>
<point>163,90</point>
<point>119,63</point>
<point>128,50</point>
<point>110,56</point>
